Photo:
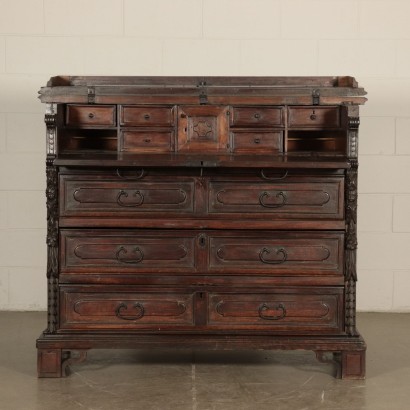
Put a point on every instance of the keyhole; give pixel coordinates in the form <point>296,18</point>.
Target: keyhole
<point>313,116</point>
<point>202,241</point>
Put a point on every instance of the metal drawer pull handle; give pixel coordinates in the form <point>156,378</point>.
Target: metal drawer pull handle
<point>125,194</point>
<point>90,115</point>
<point>263,175</point>
<point>137,176</point>
<point>122,307</point>
<point>147,116</point>
<point>122,250</point>
<point>313,117</point>
<point>278,195</point>
<point>273,262</point>
<point>257,116</point>
<point>264,307</point>
<point>257,140</point>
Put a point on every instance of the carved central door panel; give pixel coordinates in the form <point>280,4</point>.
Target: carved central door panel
<point>203,128</point>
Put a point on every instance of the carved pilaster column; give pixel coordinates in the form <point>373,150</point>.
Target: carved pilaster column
<point>351,249</point>
<point>52,221</point>
<point>50,119</point>
<point>351,195</point>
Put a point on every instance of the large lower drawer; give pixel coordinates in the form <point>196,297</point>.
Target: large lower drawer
<point>119,194</point>
<point>281,310</point>
<point>110,195</point>
<point>286,310</point>
<point>201,252</point>
<point>293,198</point>
<point>276,253</point>
<point>104,308</point>
<point>127,251</point>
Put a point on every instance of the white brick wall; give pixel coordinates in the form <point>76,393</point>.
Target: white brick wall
<point>368,39</point>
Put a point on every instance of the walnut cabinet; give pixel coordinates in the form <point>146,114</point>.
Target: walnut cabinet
<point>202,212</point>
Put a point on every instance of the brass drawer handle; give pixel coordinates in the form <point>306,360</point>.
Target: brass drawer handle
<point>264,307</point>
<point>131,204</point>
<point>122,250</point>
<point>273,262</point>
<point>265,194</point>
<point>122,307</point>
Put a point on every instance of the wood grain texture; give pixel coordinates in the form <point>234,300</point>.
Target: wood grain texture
<point>202,212</point>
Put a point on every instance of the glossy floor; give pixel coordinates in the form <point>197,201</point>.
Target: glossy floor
<point>199,380</point>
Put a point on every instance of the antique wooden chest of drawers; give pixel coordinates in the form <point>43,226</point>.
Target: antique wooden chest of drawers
<point>189,212</point>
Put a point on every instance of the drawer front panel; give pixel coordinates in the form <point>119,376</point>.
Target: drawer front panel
<point>316,199</point>
<point>91,115</point>
<point>263,142</point>
<point>256,116</point>
<point>106,309</point>
<point>127,251</point>
<point>147,141</point>
<point>80,196</point>
<point>314,117</point>
<point>293,311</point>
<point>146,116</point>
<point>276,253</point>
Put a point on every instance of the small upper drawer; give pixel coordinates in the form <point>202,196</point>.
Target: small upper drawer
<point>150,140</point>
<point>256,116</point>
<point>91,115</point>
<point>262,142</point>
<point>132,115</point>
<point>328,117</point>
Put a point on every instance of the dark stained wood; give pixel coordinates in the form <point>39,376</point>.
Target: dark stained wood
<point>245,141</point>
<point>146,116</point>
<point>278,253</point>
<point>314,117</point>
<point>127,251</point>
<point>163,81</point>
<point>186,90</point>
<point>115,195</point>
<point>202,212</point>
<point>203,129</point>
<point>256,116</point>
<point>147,140</point>
<point>202,160</point>
<point>102,308</point>
<point>291,197</point>
<point>90,116</point>
<point>292,311</point>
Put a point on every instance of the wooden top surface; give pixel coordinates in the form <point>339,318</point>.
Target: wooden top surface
<point>186,90</point>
